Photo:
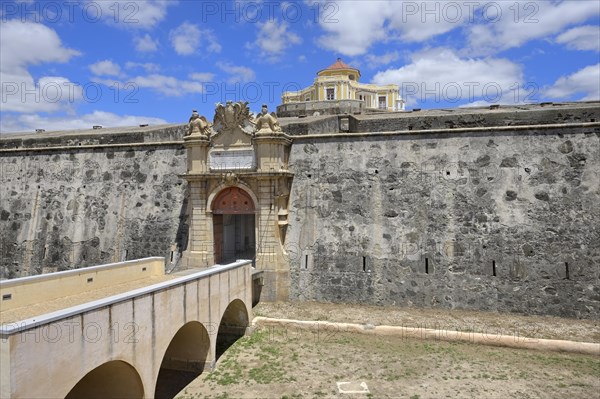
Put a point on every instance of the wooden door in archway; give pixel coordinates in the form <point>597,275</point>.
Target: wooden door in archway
<point>233,225</point>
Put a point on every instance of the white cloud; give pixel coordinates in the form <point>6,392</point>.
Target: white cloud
<point>167,85</point>
<point>30,122</point>
<point>185,38</point>
<point>23,44</point>
<point>374,61</point>
<point>583,85</point>
<point>105,68</point>
<point>202,76</point>
<point>130,14</point>
<point>440,75</point>
<point>188,38</point>
<point>238,74</point>
<point>147,66</point>
<point>272,39</point>
<point>29,43</point>
<point>145,44</point>
<point>48,94</point>
<point>353,26</point>
<point>581,38</point>
<point>420,21</point>
<point>536,20</point>
<point>163,84</point>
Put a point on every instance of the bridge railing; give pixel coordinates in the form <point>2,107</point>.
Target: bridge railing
<point>8,329</point>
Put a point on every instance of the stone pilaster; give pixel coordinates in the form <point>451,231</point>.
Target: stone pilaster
<point>272,151</point>
<point>197,153</point>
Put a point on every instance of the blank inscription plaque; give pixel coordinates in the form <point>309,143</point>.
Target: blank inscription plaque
<point>231,160</point>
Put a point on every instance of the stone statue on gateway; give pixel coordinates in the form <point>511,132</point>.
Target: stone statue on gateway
<point>267,123</point>
<point>198,125</point>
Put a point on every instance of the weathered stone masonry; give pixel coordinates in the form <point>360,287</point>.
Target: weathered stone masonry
<point>413,217</point>
<point>428,219</point>
<point>92,199</point>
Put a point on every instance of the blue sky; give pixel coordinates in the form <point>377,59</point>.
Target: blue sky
<point>74,64</point>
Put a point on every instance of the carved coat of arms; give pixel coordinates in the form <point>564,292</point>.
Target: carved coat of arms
<point>232,115</point>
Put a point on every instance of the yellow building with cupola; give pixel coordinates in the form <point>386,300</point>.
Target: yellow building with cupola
<point>340,82</point>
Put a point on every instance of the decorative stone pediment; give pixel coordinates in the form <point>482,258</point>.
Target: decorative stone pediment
<point>236,140</point>
<point>232,125</point>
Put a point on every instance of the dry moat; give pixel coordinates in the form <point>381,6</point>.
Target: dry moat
<point>277,362</point>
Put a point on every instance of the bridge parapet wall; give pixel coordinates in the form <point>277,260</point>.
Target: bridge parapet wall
<point>135,327</point>
<point>31,290</point>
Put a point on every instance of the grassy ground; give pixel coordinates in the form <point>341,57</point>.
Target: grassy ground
<point>286,363</point>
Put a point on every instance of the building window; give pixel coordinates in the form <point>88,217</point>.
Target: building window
<point>351,77</point>
<point>307,99</point>
<point>382,102</point>
<point>331,94</point>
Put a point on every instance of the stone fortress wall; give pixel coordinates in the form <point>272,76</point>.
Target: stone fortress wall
<point>407,209</point>
<point>79,199</point>
<point>503,218</point>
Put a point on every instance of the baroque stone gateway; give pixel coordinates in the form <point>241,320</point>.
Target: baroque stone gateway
<point>490,208</point>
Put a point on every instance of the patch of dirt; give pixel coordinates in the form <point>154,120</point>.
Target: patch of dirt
<point>278,363</point>
<point>275,362</point>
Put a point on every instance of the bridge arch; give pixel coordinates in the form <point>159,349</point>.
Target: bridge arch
<point>112,380</point>
<point>232,326</point>
<point>184,360</point>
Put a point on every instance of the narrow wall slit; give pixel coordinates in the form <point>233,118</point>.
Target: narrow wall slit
<point>494,268</point>
<point>426,265</point>
<point>305,262</point>
<point>567,271</point>
<point>364,263</point>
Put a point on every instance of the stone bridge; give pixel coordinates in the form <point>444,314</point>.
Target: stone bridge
<point>147,342</point>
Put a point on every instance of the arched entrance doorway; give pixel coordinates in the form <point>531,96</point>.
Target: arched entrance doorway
<point>234,225</point>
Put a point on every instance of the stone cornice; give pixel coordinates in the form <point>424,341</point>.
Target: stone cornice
<point>451,130</point>
<point>217,175</point>
<point>93,146</point>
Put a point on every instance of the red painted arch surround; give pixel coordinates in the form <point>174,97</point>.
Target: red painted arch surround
<point>233,200</point>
